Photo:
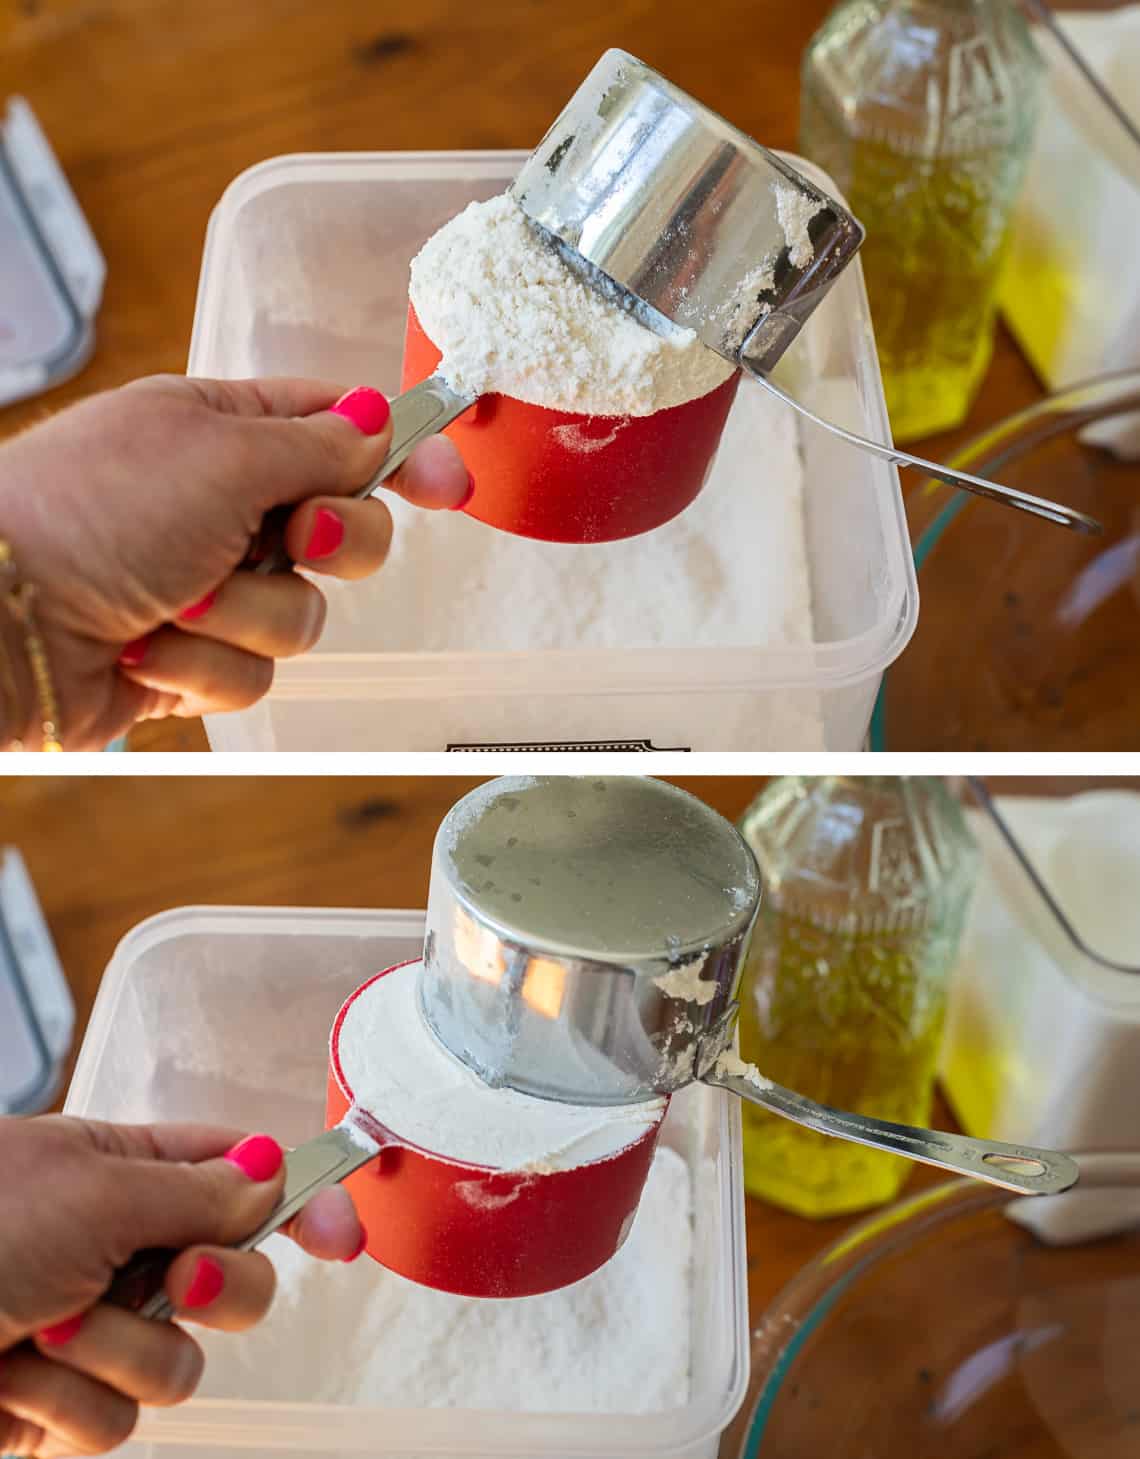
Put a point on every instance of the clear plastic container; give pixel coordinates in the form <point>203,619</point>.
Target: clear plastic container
<point>305,272</point>
<point>222,1014</point>
<point>1042,1039</point>
<point>1071,290</point>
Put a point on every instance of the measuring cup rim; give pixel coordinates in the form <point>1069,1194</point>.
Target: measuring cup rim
<point>399,1141</point>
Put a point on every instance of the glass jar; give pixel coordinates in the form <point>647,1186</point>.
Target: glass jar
<point>867,881</point>
<point>923,113</point>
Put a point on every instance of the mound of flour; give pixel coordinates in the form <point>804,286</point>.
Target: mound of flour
<point>618,1342</point>
<point>399,1072</point>
<point>508,316</point>
<point>731,570</point>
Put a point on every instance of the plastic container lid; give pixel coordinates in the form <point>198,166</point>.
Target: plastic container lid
<point>37,1015</point>
<point>51,270</point>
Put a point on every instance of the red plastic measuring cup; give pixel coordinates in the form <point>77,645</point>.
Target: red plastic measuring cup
<point>562,476</point>
<point>487,1233</point>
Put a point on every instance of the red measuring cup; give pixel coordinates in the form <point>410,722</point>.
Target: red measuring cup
<point>482,1232</point>
<point>562,476</point>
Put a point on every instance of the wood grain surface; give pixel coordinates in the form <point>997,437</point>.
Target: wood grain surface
<point>154,106</point>
<point>105,853</point>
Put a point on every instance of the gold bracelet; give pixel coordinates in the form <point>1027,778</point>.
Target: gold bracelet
<point>19,599</point>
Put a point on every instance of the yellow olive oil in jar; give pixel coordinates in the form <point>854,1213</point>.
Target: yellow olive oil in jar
<point>866,885</point>
<point>922,112</point>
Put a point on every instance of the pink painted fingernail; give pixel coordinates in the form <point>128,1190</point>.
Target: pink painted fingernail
<point>206,1283</point>
<point>257,1156</point>
<point>467,495</point>
<point>360,1248</point>
<point>197,609</point>
<point>60,1332</point>
<point>366,408</point>
<point>326,536</point>
<point>135,652</point>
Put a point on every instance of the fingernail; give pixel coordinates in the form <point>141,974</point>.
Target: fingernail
<point>366,408</point>
<point>257,1156</point>
<point>467,495</point>
<point>326,536</point>
<point>360,1248</point>
<point>135,652</point>
<point>197,609</point>
<point>206,1283</point>
<point>60,1332</point>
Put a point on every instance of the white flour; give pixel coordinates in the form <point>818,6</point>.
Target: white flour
<point>399,1072</point>
<point>731,570</point>
<point>730,1062</point>
<point>508,316</point>
<point>687,984</point>
<point>795,211</point>
<point>618,1342</point>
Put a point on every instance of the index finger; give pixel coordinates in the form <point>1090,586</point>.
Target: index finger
<point>190,1143</point>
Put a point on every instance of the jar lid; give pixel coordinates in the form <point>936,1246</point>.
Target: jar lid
<point>541,887</point>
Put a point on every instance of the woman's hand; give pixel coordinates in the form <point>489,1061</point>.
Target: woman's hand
<point>77,1200</point>
<point>131,512</point>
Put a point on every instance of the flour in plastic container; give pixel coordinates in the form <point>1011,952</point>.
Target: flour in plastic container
<point>617,1342</point>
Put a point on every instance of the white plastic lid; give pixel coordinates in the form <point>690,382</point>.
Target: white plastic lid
<point>51,270</point>
<point>37,1015</point>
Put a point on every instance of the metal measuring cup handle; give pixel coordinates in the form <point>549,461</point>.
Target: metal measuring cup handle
<point>326,1160</point>
<point>1007,496</point>
<point>1020,1168</point>
<point>419,413</point>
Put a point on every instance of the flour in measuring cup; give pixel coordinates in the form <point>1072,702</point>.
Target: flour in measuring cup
<point>402,1075</point>
<point>510,317</point>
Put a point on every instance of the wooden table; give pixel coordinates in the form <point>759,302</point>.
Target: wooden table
<point>153,106</point>
<point>105,853</point>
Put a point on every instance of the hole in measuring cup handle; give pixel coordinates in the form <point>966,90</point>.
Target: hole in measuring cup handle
<point>1014,1164</point>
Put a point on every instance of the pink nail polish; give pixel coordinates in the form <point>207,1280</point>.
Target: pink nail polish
<point>257,1156</point>
<point>60,1332</point>
<point>135,652</point>
<point>366,408</point>
<point>196,610</point>
<point>326,536</point>
<point>206,1283</point>
<point>360,1247</point>
<point>467,495</point>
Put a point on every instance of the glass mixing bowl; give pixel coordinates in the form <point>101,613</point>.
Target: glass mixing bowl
<point>943,1329</point>
<point>1029,636</point>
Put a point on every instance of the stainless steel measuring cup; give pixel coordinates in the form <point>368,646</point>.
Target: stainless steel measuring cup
<point>677,216</point>
<point>686,221</point>
<point>585,941</point>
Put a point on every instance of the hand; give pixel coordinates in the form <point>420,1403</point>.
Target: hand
<point>77,1200</point>
<point>131,512</point>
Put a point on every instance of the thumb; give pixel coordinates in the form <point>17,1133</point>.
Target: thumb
<point>169,1203</point>
<point>331,452</point>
